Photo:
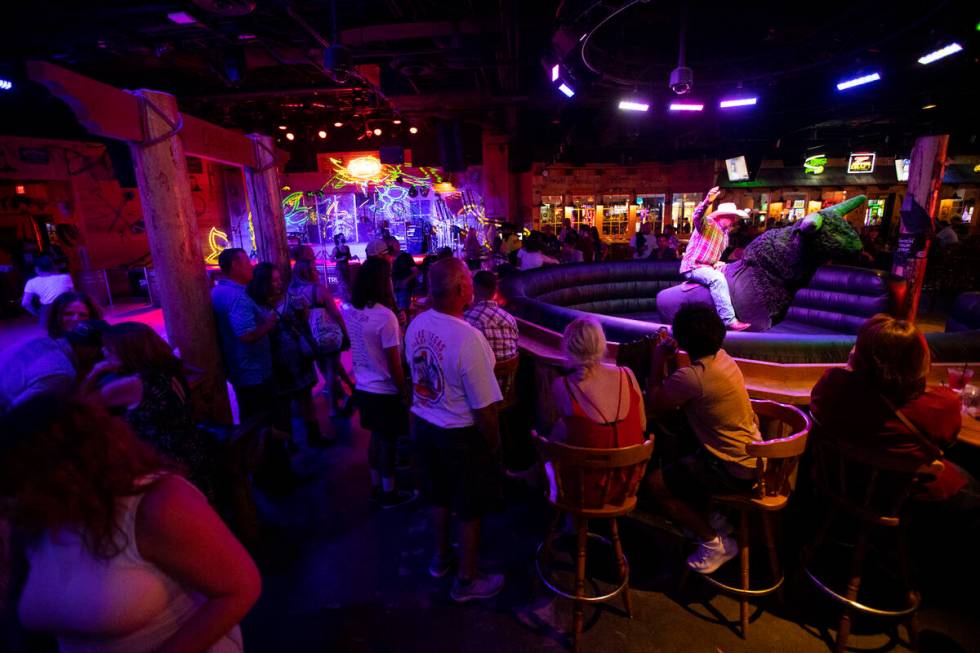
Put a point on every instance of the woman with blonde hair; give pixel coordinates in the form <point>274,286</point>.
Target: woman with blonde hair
<point>599,405</point>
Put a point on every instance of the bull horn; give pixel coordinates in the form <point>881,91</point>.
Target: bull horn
<point>848,205</point>
<point>811,223</point>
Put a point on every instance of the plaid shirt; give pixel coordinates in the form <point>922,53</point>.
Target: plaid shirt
<point>497,325</point>
<point>708,240</point>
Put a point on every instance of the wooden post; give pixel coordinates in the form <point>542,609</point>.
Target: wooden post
<point>262,187</point>
<point>171,227</point>
<point>926,171</point>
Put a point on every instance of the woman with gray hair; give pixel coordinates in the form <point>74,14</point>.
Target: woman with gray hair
<point>599,405</point>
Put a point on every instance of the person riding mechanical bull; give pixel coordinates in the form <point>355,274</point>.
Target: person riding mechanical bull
<point>756,290</point>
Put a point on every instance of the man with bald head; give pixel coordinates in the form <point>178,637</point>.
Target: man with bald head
<point>456,433</point>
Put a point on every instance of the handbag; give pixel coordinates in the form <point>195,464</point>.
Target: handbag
<point>327,334</point>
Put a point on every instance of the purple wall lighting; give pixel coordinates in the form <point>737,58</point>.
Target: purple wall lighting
<point>686,106</point>
<point>858,81</point>
<point>738,102</point>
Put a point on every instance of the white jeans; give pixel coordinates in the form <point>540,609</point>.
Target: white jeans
<point>717,285</point>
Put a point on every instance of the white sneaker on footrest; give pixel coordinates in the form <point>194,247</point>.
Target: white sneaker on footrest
<point>711,555</point>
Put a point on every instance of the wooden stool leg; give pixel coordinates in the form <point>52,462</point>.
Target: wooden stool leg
<point>774,566</point>
<point>621,564</point>
<point>743,543</point>
<point>853,585</point>
<point>912,596</point>
<point>578,619</point>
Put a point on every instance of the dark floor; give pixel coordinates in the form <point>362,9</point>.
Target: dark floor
<point>342,576</point>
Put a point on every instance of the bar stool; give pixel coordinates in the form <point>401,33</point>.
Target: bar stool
<point>870,490</point>
<point>784,430</point>
<point>589,484</point>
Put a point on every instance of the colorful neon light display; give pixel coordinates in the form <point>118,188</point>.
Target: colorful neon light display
<point>364,168</point>
<point>218,242</point>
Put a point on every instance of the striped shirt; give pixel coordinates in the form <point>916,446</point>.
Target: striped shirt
<point>497,325</point>
<point>707,243</point>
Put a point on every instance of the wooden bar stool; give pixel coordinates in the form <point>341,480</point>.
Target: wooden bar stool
<point>869,490</point>
<point>589,484</point>
<point>784,430</point>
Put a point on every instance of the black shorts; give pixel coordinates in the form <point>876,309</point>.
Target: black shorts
<point>695,478</point>
<point>383,415</point>
<point>460,471</point>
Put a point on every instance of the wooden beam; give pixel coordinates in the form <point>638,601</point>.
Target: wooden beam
<point>102,109</point>
<point>113,113</point>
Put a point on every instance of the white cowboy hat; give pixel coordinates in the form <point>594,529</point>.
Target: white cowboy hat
<point>726,209</point>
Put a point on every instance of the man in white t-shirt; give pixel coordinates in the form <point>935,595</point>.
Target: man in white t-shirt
<point>41,291</point>
<point>455,397</point>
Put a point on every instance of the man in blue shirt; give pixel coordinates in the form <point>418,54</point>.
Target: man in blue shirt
<point>243,331</point>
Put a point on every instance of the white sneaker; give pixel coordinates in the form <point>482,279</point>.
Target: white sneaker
<point>481,586</point>
<point>713,554</point>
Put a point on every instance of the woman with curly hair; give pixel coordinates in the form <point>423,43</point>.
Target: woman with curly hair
<point>69,309</point>
<point>124,556</point>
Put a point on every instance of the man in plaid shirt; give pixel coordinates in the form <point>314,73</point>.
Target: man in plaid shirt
<point>702,260</point>
<point>497,325</point>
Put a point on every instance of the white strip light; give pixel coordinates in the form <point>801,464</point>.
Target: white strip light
<point>682,106</point>
<point>742,102</point>
<point>941,53</point>
<point>555,71</point>
<point>858,81</point>
<point>631,105</point>
<point>566,89</point>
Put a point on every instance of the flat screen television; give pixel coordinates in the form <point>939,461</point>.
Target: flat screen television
<point>738,169</point>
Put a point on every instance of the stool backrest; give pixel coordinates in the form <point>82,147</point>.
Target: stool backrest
<point>506,373</point>
<point>598,480</point>
<point>871,486</point>
<point>784,430</point>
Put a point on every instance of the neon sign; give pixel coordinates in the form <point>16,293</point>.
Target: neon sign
<point>814,165</point>
<point>861,163</point>
<point>217,242</point>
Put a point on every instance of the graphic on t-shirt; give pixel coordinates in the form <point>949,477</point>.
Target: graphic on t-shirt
<point>430,384</point>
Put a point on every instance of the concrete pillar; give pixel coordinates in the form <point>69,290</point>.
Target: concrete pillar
<point>263,189</point>
<point>178,263</point>
<point>926,171</point>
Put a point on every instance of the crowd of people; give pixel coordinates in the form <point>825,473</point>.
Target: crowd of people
<point>112,485</point>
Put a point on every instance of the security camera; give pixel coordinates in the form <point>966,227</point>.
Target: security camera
<point>681,80</point>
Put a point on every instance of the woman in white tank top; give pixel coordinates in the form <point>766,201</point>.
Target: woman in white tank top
<point>124,557</point>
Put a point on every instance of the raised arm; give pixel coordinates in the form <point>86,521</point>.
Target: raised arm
<point>698,218</point>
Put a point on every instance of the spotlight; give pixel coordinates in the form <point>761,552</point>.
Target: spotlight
<point>685,106</point>
<point>321,134</point>
<point>928,106</point>
<point>740,102</point>
<point>858,81</point>
<point>396,121</point>
<point>290,136</point>
<point>566,89</point>
<point>283,128</point>
<point>6,84</point>
<point>634,105</point>
<point>555,71</point>
<point>413,130</point>
<point>338,124</point>
<point>377,131</point>
<point>941,53</point>
<point>181,18</point>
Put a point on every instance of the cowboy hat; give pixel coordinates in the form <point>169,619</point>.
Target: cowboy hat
<point>727,210</point>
